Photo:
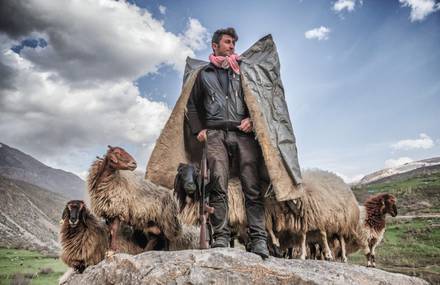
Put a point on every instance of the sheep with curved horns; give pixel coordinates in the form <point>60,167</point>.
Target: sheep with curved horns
<point>85,240</point>
<point>328,208</point>
<point>371,226</point>
<point>118,194</point>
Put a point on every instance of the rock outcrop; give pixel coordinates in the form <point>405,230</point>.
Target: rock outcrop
<point>229,266</point>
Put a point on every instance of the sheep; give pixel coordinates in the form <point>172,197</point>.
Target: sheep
<point>372,229</point>
<point>117,194</point>
<point>327,208</point>
<point>371,226</point>
<point>189,239</point>
<point>85,239</point>
<point>185,191</point>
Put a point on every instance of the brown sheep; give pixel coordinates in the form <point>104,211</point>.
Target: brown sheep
<point>371,225</point>
<point>117,194</point>
<point>328,207</point>
<point>84,240</point>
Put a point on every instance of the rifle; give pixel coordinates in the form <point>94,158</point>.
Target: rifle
<point>204,209</point>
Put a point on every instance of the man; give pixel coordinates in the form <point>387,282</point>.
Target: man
<point>217,115</point>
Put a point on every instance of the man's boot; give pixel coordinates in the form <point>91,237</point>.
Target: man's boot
<point>259,247</point>
<point>220,242</point>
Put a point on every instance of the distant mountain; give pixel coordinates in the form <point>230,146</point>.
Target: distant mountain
<point>29,216</point>
<point>405,171</point>
<point>416,186</point>
<point>17,165</point>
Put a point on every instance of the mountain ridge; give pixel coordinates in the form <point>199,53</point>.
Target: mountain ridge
<point>29,216</point>
<point>407,170</point>
<point>18,165</point>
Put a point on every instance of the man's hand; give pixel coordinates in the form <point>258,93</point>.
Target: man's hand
<point>246,125</point>
<point>201,137</point>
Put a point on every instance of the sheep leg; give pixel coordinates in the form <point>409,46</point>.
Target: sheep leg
<point>367,255</point>
<point>114,227</point>
<point>373,255</point>
<point>290,253</point>
<point>151,244</point>
<point>303,246</point>
<point>343,250</point>
<point>312,248</point>
<point>275,241</point>
<point>327,251</point>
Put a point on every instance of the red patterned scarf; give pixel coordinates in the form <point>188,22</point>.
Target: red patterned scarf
<point>226,62</point>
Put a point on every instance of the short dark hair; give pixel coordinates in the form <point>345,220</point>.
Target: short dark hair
<point>217,36</point>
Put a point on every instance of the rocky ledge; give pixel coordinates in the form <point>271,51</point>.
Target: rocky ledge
<point>228,266</point>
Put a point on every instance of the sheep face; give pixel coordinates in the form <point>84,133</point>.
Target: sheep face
<point>389,205</point>
<point>74,212</point>
<point>119,159</point>
<point>188,174</point>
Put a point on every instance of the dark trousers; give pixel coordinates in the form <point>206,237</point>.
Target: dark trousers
<point>223,146</point>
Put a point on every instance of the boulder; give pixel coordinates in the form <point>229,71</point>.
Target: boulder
<point>229,266</point>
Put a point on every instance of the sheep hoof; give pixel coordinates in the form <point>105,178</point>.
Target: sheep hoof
<point>302,257</point>
<point>344,259</point>
<point>328,257</point>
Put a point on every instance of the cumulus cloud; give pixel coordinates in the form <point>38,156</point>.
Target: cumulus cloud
<point>420,9</point>
<point>423,142</point>
<point>389,163</point>
<point>64,102</point>
<point>320,33</point>
<point>162,9</point>
<point>109,40</point>
<point>350,178</point>
<point>341,5</point>
<point>195,36</point>
<point>45,115</point>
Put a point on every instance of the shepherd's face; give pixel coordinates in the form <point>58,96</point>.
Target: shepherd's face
<point>225,47</point>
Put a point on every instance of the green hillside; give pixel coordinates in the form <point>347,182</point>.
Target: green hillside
<point>29,267</point>
<point>410,246</point>
<point>416,195</point>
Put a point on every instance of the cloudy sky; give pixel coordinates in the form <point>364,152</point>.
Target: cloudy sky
<point>362,78</point>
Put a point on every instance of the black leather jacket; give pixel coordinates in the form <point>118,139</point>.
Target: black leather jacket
<point>213,106</point>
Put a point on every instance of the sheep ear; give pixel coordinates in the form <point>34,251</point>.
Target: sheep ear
<point>84,215</point>
<point>180,166</point>
<point>109,146</point>
<point>65,213</point>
